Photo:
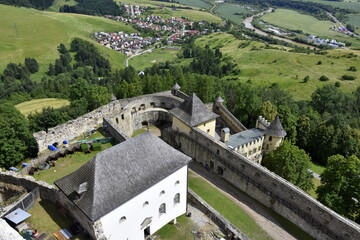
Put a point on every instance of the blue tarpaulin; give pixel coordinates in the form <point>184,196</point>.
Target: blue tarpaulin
<point>17,216</point>
<point>52,148</point>
<point>13,169</point>
<point>25,164</point>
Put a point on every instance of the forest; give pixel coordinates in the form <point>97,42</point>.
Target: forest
<point>38,4</point>
<point>94,7</point>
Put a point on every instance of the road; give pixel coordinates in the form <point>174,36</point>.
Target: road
<point>340,24</point>
<point>248,24</point>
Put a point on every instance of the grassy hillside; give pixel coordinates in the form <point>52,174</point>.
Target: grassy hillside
<point>264,67</point>
<point>295,21</point>
<point>148,59</point>
<point>30,33</point>
<point>348,4</point>
<point>59,3</point>
<point>227,11</point>
<point>37,105</point>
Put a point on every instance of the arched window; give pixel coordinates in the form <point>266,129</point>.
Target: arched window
<point>122,219</point>
<point>177,198</point>
<point>145,204</point>
<point>177,182</point>
<point>162,192</point>
<point>162,209</point>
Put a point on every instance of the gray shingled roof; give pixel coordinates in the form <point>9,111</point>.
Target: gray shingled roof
<point>247,136</point>
<point>275,128</point>
<point>119,173</point>
<point>193,111</point>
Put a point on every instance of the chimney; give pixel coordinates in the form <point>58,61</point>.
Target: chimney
<point>81,189</point>
<point>225,134</point>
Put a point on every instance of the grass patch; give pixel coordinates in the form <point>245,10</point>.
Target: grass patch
<point>70,163</point>
<point>227,11</point>
<point>267,66</point>
<point>226,207</point>
<point>37,105</point>
<point>27,32</point>
<point>316,183</point>
<point>193,15</point>
<point>139,131</point>
<point>195,3</point>
<point>46,219</point>
<point>59,3</point>
<point>316,168</point>
<point>170,232</point>
<point>148,59</point>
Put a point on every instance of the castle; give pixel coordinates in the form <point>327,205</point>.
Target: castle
<point>214,138</point>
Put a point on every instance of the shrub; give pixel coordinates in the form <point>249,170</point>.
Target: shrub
<point>306,79</point>
<point>337,84</point>
<point>348,77</point>
<point>84,147</point>
<point>319,62</point>
<point>324,78</point>
<point>352,69</point>
<point>97,146</point>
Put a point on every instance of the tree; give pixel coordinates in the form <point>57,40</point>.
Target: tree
<point>291,163</point>
<point>268,111</point>
<point>324,78</point>
<point>97,97</point>
<point>32,65</point>
<point>16,141</point>
<point>306,79</point>
<point>339,187</point>
<point>48,118</point>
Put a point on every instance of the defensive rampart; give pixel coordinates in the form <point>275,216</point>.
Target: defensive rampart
<point>120,112</point>
<point>264,186</point>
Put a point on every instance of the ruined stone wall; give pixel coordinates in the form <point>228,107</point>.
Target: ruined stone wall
<point>264,186</point>
<point>119,111</point>
<point>228,119</point>
<point>48,192</point>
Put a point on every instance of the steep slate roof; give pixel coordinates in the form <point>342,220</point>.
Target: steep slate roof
<point>193,112</point>
<point>116,175</point>
<point>247,136</point>
<point>275,129</point>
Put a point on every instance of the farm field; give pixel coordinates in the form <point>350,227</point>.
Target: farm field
<point>263,67</point>
<point>227,11</point>
<point>193,15</point>
<point>355,21</point>
<point>28,32</point>
<point>349,4</point>
<point>196,3</point>
<point>59,3</point>
<point>149,3</point>
<point>37,105</point>
<point>293,20</point>
<point>148,59</point>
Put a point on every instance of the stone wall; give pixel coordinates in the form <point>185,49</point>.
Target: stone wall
<point>222,222</point>
<point>227,119</point>
<point>48,192</point>
<point>119,111</point>
<point>264,186</point>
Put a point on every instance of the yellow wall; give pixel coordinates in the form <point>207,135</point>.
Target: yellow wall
<point>271,145</point>
<point>252,150</point>
<point>208,127</point>
<point>178,125</point>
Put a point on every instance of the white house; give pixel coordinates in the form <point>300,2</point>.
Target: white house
<point>133,188</point>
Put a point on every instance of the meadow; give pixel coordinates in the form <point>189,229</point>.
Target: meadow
<point>293,20</point>
<point>227,11</point>
<point>264,67</point>
<point>28,32</point>
<point>348,4</point>
<point>196,3</point>
<point>59,3</point>
<point>192,15</point>
<point>37,105</point>
<point>148,59</point>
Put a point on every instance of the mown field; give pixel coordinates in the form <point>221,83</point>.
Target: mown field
<point>37,105</point>
<point>263,67</point>
<point>227,11</point>
<point>148,59</point>
<point>296,21</point>
<point>31,33</point>
<point>192,15</point>
<point>196,3</point>
<point>349,4</point>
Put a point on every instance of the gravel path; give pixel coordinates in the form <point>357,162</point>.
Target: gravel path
<point>261,214</point>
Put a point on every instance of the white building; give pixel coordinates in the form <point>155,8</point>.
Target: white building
<point>133,188</point>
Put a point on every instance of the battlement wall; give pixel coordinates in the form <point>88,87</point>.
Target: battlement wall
<point>114,110</point>
<point>266,187</point>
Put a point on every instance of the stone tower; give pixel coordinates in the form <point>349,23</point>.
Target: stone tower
<point>274,134</point>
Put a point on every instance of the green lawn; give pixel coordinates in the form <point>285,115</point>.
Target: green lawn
<point>264,67</point>
<point>316,183</point>
<point>27,32</point>
<point>227,11</point>
<point>319,169</point>
<point>46,219</point>
<point>37,105</point>
<point>148,59</point>
<point>70,163</point>
<point>226,207</point>
<point>183,231</point>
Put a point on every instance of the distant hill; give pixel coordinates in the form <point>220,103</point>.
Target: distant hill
<point>27,32</point>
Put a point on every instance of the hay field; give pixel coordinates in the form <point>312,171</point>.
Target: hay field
<point>37,105</point>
